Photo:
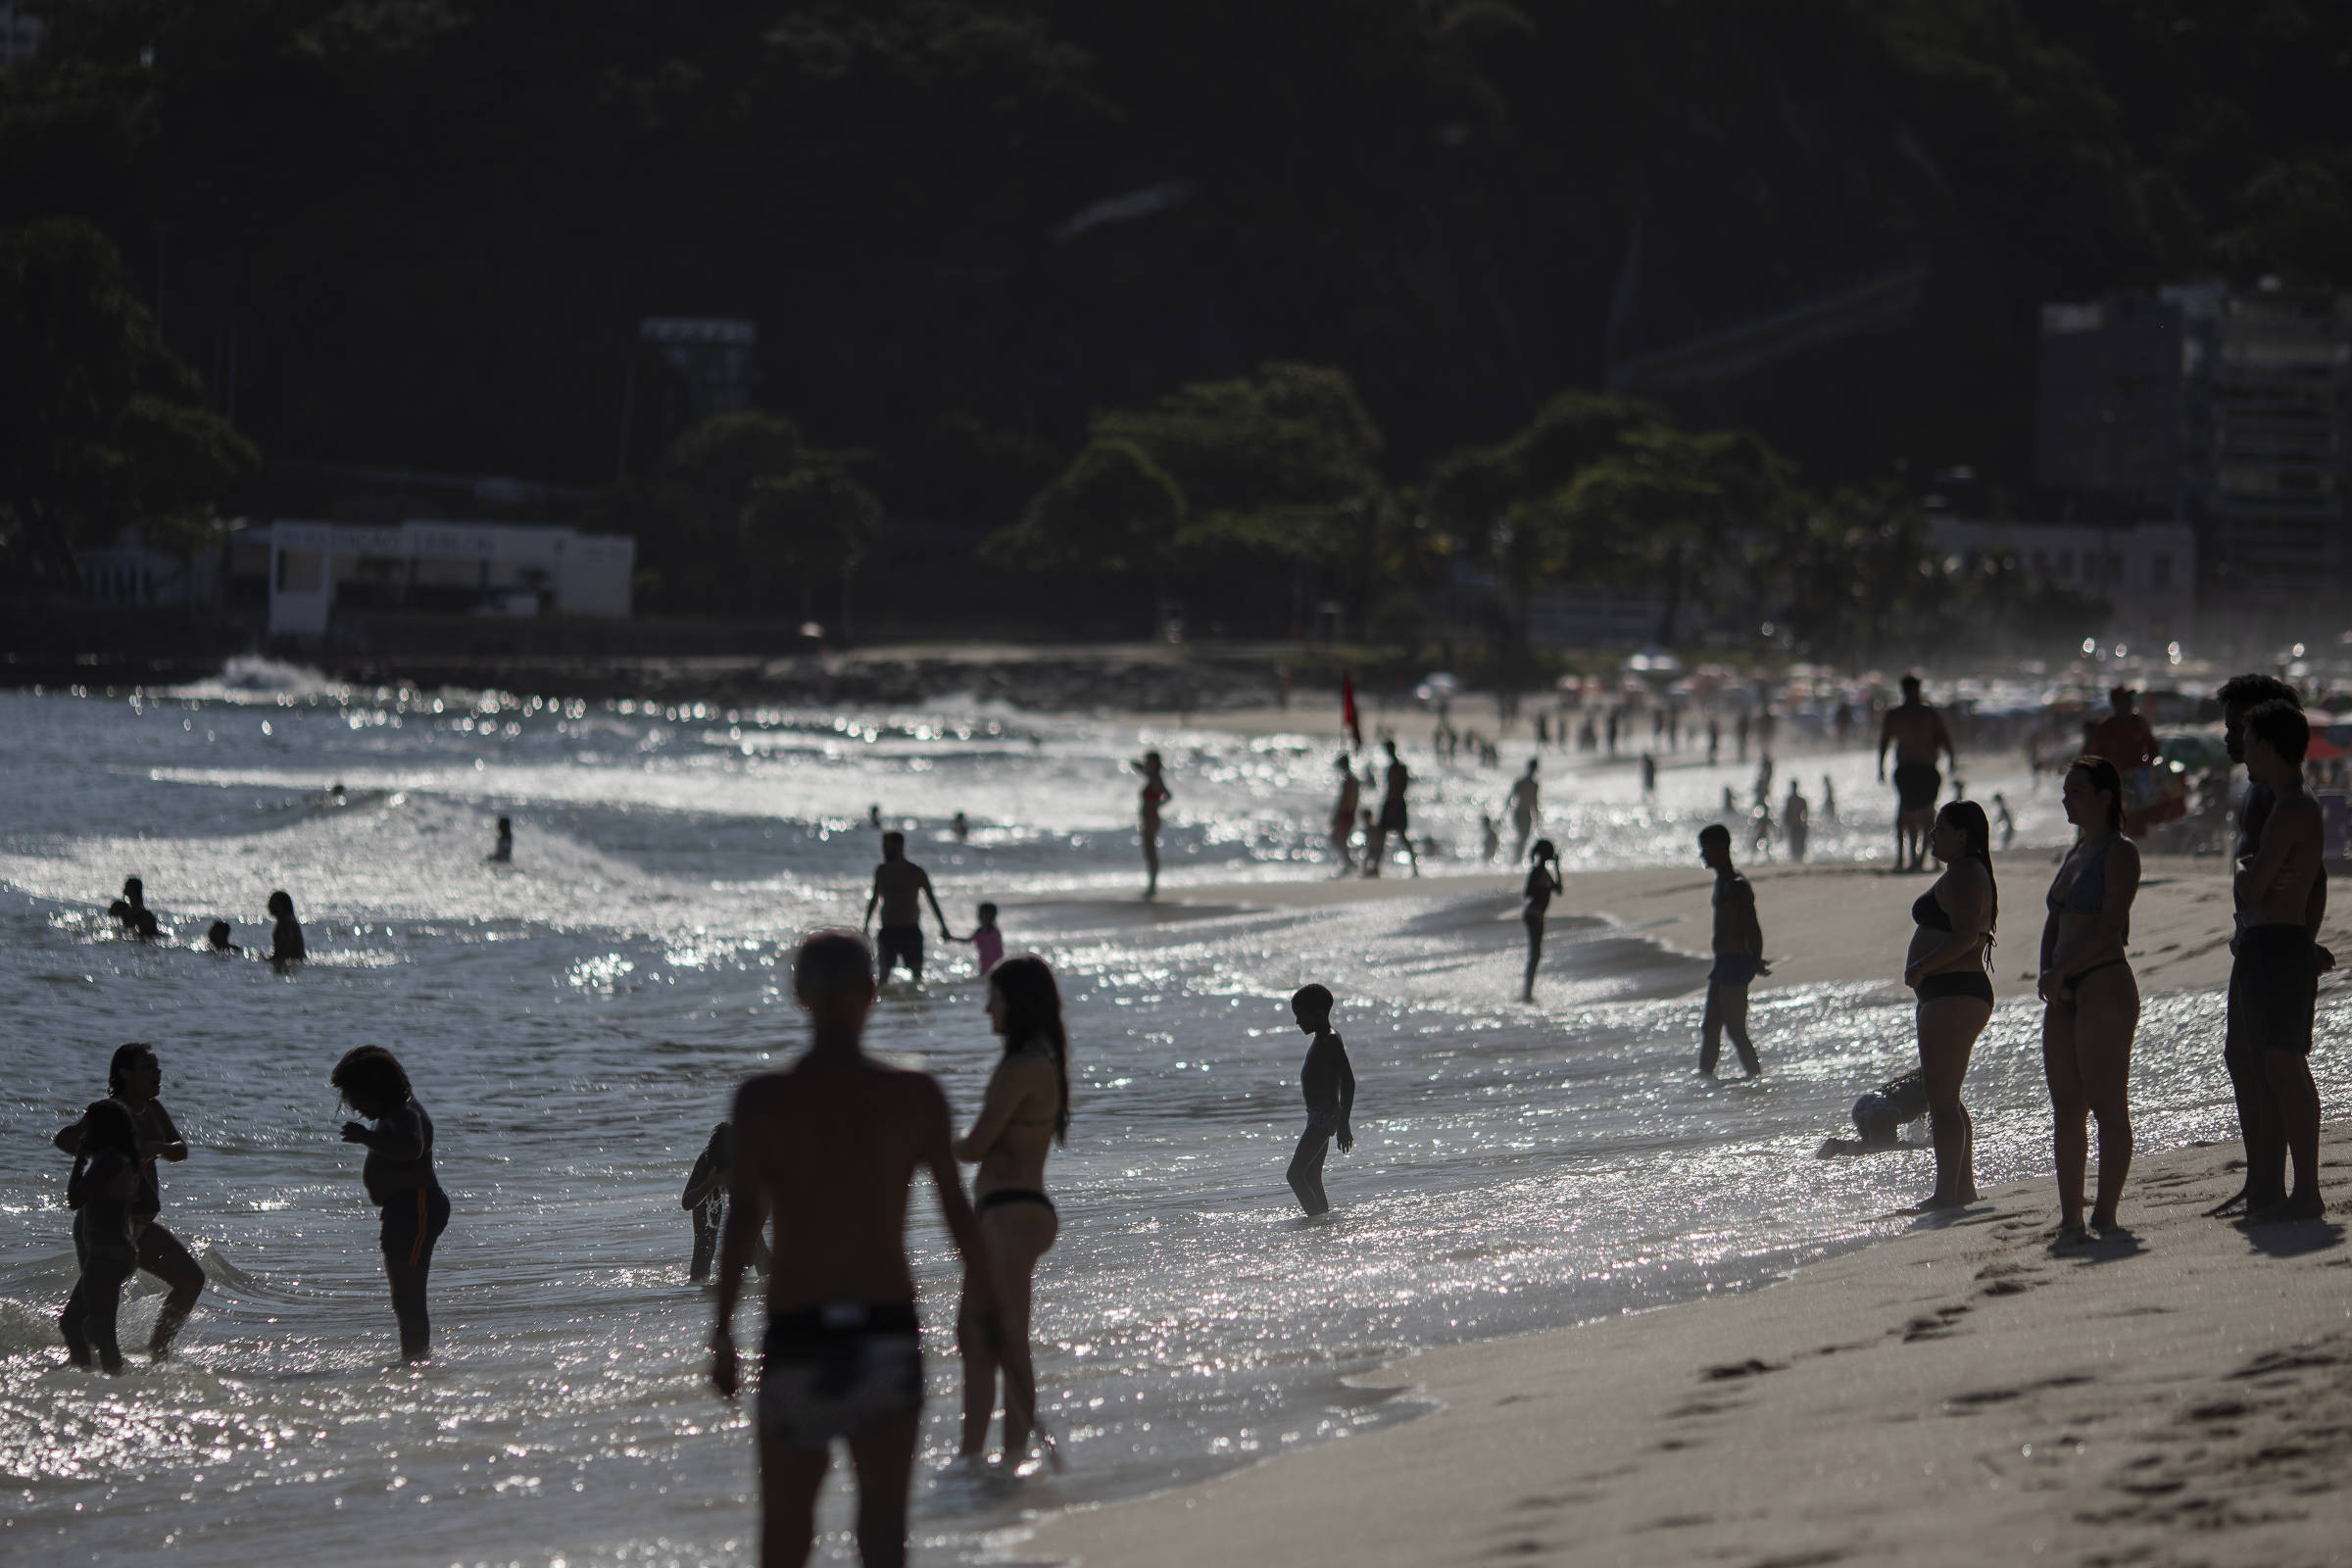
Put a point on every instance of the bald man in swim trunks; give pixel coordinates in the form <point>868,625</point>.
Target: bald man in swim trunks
<point>1917,733</point>
<point>830,1148</point>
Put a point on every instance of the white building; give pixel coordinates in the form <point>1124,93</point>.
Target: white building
<point>2146,573</point>
<point>482,568</point>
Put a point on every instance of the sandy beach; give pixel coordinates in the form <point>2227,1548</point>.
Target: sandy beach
<point>1846,923</point>
<point>1965,1392</point>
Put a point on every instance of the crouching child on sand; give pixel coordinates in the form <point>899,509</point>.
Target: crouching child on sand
<point>1329,1085</point>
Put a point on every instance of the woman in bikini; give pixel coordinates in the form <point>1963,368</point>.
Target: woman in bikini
<point>2092,998</point>
<point>1026,1112</point>
<point>1947,968</point>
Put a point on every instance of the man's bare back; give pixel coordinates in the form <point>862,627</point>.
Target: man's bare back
<point>1917,734</point>
<point>899,886</point>
<point>854,1131</point>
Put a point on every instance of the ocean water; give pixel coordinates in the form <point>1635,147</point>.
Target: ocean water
<point>576,1022</point>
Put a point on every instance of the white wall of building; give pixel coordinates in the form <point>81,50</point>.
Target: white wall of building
<point>2147,571</point>
<point>511,567</point>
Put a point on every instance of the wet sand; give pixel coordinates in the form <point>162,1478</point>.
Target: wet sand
<point>1846,923</point>
<point>1965,1392</point>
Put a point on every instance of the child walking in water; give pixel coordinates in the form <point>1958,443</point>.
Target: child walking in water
<point>101,1192</point>
<point>1329,1085</point>
<point>988,943</point>
<point>399,1174</point>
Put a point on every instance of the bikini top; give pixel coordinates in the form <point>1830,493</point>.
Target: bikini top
<point>1926,911</point>
<point>2088,893</point>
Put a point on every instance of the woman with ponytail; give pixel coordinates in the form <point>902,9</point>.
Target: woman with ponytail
<point>1027,1111</point>
<point>1946,967</point>
<point>2092,999</point>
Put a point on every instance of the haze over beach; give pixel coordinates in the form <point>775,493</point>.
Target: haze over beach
<point>1002,782</point>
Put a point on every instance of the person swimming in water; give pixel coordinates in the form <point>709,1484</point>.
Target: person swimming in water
<point>400,1181</point>
<point>1947,969</point>
<point>133,1078</point>
<point>1153,795</point>
<point>1329,1083</point>
<point>706,1199</point>
<point>830,1146</point>
<point>286,945</point>
<point>503,851</point>
<point>1026,1112</point>
<point>130,911</point>
<point>217,936</point>
<point>102,1192</point>
<point>1535,895</point>
<point>898,882</point>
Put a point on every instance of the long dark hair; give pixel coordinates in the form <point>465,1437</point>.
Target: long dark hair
<point>1033,1012</point>
<point>125,1057</point>
<point>1969,817</point>
<point>2103,776</point>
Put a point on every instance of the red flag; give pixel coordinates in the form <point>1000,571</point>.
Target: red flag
<point>1347,719</point>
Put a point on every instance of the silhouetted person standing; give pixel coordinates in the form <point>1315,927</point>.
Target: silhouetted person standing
<point>1329,1083</point>
<point>1738,945</point>
<point>830,1146</point>
<point>399,1176</point>
<point>1918,736</point>
<point>1392,814</point>
<point>2275,977</point>
<point>898,883</point>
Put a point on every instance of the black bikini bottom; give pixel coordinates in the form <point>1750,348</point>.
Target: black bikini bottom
<point>996,1196</point>
<point>1957,983</point>
<point>2075,986</point>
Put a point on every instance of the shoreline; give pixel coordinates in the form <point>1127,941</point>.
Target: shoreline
<point>1961,1390</point>
<point>1835,922</point>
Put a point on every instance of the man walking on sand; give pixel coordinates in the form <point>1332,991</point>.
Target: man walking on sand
<point>830,1146</point>
<point>1739,955</point>
<point>1916,732</point>
<point>2244,1047</point>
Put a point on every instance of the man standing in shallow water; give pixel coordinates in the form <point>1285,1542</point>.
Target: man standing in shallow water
<point>1917,733</point>
<point>830,1146</point>
<point>897,881</point>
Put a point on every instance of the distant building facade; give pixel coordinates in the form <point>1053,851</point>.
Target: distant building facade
<point>470,568</point>
<point>2229,409</point>
<point>20,34</point>
<point>2146,573</point>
